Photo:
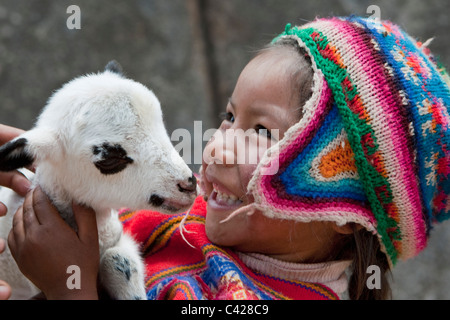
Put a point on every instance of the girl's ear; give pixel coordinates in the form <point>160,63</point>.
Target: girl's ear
<point>26,148</point>
<point>347,228</point>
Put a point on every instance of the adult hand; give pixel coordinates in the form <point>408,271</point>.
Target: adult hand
<point>14,179</point>
<point>8,133</point>
<point>18,183</point>
<point>5,289</point>
<point>44,246</point>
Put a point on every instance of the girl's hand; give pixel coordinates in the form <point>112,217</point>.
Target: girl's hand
<point>44,247</point>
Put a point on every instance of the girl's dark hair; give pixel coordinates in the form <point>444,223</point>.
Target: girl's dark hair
<point>361,246</point>
<point>364,249</point>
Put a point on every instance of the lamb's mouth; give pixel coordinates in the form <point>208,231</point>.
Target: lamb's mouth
<point>167,204</point>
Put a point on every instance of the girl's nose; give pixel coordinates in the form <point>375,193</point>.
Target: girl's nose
<point>221,149</point>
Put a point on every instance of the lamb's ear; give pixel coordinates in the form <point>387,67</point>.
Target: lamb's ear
<point>115,67</point>
<point>23,150</point>
<point>14,155</point>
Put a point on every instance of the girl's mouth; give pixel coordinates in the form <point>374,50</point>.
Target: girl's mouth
<point>221,200</point>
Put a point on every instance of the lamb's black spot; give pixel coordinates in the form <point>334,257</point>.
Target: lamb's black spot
<point>113,158</point>
<point>96,150</point>
<point>156,200</point>
<point>122,265</point>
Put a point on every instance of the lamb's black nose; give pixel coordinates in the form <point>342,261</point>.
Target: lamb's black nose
<point>188,186</point>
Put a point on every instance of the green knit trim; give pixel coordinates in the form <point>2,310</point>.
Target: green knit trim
<point>356,129</point>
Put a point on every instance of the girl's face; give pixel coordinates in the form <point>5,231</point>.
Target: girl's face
<point>259,112</point>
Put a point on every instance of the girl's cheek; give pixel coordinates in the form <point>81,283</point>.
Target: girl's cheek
<point>255,150</point>
<point>208,157</point>
<point>246,172</point>
<point>249,150</point>
<point>257,147</point>
<point>202,183</point>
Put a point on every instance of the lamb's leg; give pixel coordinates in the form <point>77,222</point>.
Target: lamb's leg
<point>122,271</point>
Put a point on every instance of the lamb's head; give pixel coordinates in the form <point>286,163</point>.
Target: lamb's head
<point>101,141</point>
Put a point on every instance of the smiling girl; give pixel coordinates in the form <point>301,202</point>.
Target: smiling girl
<point>353,115</point>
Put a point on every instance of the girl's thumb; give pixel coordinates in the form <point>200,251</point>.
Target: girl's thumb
<point>87,223</point>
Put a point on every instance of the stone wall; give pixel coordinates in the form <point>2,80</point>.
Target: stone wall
<point>190,52</point>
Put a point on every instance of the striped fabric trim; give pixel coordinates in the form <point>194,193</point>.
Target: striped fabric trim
<point>181,288</point>
<point>163,232</point>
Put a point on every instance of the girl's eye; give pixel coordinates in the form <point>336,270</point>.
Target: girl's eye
<point>228,116</point>
<point>263,131</point>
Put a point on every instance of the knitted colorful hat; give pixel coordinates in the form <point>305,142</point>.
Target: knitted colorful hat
<point>373,145</point>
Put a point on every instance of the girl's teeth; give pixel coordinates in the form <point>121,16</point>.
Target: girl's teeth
<point>228,198</point>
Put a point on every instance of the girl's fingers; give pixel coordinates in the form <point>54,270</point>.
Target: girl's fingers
<point>28,215</point>
<point>86,222</point>
<point>17,225</point>
<point>45,212</point>
<point>17,233</point>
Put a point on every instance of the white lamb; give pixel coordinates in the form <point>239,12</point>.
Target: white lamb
<point>100,141</point>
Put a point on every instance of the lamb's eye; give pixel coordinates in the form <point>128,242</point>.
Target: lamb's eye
<point>113,158</point>
<point>112,165</point>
